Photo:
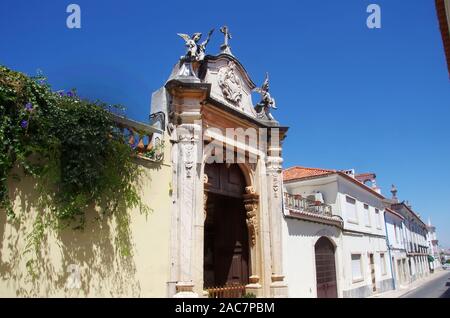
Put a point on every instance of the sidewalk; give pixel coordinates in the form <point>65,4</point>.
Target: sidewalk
<point>405,290</point>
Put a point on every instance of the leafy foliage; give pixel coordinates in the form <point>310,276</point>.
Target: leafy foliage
<point>71,146</point>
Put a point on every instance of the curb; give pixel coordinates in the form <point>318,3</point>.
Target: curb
<point>418,283</point>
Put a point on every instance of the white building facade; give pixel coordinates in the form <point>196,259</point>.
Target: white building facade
<point>415,241</point>
<point>357,241</point>
<point>396,240</point>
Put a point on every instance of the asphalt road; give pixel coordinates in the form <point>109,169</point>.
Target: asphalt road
<point>437,288</point>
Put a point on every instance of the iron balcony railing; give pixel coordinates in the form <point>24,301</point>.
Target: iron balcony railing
<point>298,203</point>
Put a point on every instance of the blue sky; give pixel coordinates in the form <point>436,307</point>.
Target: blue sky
<point>372,100</point>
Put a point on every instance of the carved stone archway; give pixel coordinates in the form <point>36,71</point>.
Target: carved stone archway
<point>196,106</point>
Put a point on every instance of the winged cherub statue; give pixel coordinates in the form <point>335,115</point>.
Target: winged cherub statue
<point>194,50</point>
<point>267,102</point>
<point>191,46</point>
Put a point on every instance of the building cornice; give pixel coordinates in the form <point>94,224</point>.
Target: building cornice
<point>443,13</point>
<point>363,233</point>
<point>315,218</point>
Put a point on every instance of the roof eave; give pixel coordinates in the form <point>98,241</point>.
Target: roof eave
<point>443,18</point>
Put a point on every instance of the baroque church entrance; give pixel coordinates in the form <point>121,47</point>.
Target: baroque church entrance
<point>233,235</point>
<point>325,269</point>
<point>226,239</point>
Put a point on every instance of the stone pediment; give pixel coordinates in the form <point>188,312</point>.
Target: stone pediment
<point>230,83</point>
<point>228,86</point>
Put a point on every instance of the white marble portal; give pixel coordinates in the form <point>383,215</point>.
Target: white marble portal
<point>221,99</point>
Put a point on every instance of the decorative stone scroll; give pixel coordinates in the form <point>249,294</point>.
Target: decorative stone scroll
<point>205,196</point>
<point>188,142</point>
<point>276,184</point>
<point>251,201</point>
<point>188,159</point>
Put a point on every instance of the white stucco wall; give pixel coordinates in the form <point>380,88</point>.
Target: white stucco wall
<point>363,245</point>
<point>299,239</point>
<point>357,238</point>
<point>360,237</point>
<point>396,240</point>
<point>103,271</point>
<point>362,197</point>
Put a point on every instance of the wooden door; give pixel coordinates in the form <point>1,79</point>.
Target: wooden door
<point>325,269</point>
<point>231,243</point>
<point>372,272</point>
<point>225,227</point>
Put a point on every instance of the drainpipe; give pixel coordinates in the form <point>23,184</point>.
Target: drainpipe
<point>389,251</point>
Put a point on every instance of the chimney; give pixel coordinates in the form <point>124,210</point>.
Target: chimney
<point>374,184</point>
<point>394,194</point>
<point>349,172</point>
<point>365,178</point>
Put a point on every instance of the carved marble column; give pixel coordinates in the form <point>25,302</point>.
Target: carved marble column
<point>278,286</point>
<point>251,203</point>
<point>187,186</point>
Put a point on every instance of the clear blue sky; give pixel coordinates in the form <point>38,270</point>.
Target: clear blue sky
<point>373,100</point>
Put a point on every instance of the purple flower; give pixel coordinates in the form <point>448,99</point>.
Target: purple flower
<point>70,94</point>
<point>61,94</point>
<point>29,106</point>
<point>41,81</point>
<point>24,124</point>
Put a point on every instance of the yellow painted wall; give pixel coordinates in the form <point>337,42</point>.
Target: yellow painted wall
<point>104,272</point>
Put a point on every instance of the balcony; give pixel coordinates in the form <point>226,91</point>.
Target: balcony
<point>296,203</point>
<point>146,141</point>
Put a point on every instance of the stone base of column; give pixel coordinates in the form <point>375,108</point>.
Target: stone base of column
<point>278,287</point>
<point>185,290</point>
<point>254,287</point>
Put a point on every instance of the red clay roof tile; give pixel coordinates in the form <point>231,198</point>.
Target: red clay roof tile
<point>303,172</point>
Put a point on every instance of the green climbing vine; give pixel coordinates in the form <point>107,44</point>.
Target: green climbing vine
<point>73,149</point>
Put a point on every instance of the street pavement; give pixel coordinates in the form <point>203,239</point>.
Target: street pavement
<point>438,287</point>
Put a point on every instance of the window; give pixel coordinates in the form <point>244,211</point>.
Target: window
<point>396,233</point>
<point>356,268</point>
<point>378,218</point>
<point>351,209</point>
<point>383,264</point>
<point>367,214</point>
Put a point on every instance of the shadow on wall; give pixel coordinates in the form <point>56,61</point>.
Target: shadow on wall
<point>89,257</point>
<point>310,230</point>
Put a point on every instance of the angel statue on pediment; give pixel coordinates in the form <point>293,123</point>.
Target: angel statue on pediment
<point>191,46</point>
<point>267,102</point>
<point>194,50</point>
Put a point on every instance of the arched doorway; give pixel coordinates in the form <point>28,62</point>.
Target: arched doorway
<point>325,269</point>
<point>226,239</point>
